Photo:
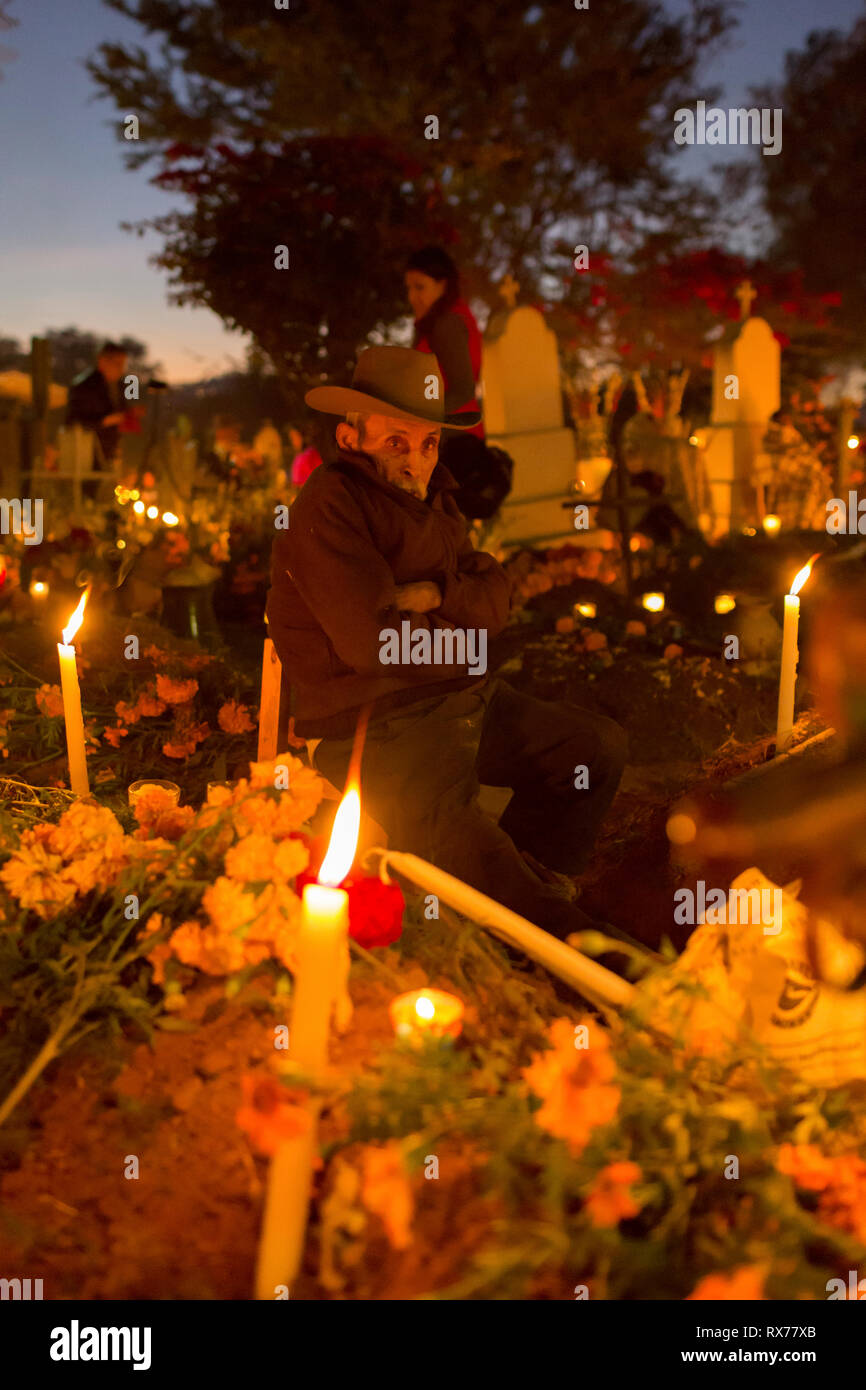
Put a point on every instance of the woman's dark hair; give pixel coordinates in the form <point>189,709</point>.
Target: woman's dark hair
<point>433,261</point>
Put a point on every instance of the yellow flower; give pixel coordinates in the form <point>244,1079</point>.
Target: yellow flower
<point>271,1114</point>
<point>175,692</point>
<point>86,826</point>
<point>575,1084</point>
<point>32,876</point>
<point>157,815</point>
<point>230,909</point>
<point>49,701</point>
<point>252,859</point>
<point>743,1283</point>
<point>385,1191</point>
<point>234,718</point>
<point>609,1200</point>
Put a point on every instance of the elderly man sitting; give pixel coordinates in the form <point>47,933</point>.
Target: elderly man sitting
<point>379,599</point>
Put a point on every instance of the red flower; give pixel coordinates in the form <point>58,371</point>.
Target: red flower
<point>375,908</point>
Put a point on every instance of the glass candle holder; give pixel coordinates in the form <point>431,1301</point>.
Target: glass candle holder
<point>153,784</point>
<point>426,1013</point>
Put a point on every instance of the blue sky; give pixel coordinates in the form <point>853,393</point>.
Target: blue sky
<point>64,189</point>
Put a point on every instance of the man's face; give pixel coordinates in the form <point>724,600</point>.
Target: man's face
<point>405,453</point>
<point>112,365</point>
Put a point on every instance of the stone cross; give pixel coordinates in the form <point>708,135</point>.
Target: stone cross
<point>745,293</point>
<point>509,290</point>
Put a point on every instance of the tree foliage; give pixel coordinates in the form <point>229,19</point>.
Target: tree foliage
<point>308,128</point>
<point>814,186</point>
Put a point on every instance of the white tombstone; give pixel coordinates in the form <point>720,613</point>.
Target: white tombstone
<point>746,392</point>
<point>522,405</point>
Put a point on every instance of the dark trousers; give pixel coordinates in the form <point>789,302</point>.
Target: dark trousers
<point>420,776</point>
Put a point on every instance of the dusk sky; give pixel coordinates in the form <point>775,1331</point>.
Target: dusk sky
<point>65,188</point>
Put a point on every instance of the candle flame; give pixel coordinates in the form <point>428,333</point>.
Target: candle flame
<point>75,621</point>
<point>344,840</point>
<point>801,577</point>
<point>424,1006</point>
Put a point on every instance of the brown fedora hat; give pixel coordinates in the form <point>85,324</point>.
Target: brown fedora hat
<point>394,381</point>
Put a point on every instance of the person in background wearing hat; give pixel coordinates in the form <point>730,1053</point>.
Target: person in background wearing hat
<point>376,545</point>
<point>446,327</point>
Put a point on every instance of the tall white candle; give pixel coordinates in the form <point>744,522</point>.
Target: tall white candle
<point>790,657</point>
<point>587,976</point>
<point>320,982</point>
<point>788,680</point>
<point>324,929</point>
<point>72,715</point>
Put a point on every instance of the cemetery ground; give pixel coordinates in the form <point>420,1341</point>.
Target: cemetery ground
<point>440,1175</point>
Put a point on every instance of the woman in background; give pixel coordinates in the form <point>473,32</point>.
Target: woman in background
<point>445,326</point>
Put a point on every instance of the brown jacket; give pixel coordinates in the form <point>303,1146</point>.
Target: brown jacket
<point>352,538</point>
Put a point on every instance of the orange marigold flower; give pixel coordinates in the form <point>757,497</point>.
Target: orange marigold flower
<point>186,943</point>
<point>86,825</point>
<point>743,1283</point>
<point>149,705</point>
<point>609,1200</point>
<point>234,718</point>
<point>188,736</point>
<point>113,736</point>
<point>231,910</point>
<point>271,1113</point>
<point>49,701</point>
<point>175,692</point>
<point>385,1190</point>
<point>157,815</point>
<point>251,859</point>
<point>805,1163</point>
<point>128,713</point>
<point>32,875</point>
<point>575,1084</point>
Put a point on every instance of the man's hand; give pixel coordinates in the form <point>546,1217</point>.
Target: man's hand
<point>420,597</point>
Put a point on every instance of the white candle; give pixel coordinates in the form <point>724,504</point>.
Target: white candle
<point>324,930</point>
<point>790,657</point>
<point>320,985</point>
<point>72,715</point>
<point>788,681</point>
<point>269,704</point>
<point>587,976</point>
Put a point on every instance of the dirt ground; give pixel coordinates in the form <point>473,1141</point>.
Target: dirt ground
<point>187,1227</point>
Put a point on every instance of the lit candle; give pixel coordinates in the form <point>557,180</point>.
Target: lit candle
<point>584,610</point>
<point>790,656</point>
<point>72,703</point>
<point>771,524</point>
<point>653,603</point>
<point>725,603</point>
<point>426,1013</point>
<point>320,985</point>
